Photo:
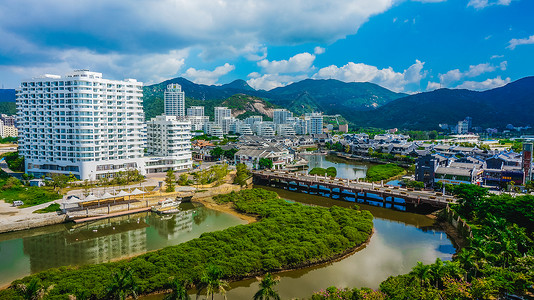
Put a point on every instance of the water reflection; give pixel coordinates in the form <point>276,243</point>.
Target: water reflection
<point>88,243</point>
<point>345,168</point>
<point>30,251</point>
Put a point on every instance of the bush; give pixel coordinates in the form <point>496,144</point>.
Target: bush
<point>330,171</point>
<point>14,161</point>
<point>383,172</point>
<point>50,208</point>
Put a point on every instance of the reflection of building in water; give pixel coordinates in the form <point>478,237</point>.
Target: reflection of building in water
<point>87,244</point>
<point>171,226</point>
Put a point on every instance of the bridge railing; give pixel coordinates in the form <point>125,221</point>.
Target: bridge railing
<point>355,184</point>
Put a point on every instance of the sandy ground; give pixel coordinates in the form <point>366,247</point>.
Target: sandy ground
<point>226,208</point>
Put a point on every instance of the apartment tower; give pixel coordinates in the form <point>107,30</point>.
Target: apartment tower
<point>81,123</point>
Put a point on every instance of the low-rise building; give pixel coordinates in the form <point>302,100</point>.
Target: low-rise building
<point>251,156</point>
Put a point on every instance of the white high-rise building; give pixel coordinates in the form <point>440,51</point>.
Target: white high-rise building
<point>81,123</point>
<point>281,116</point>
<point>221,113</point>
<point>174,100</point>
<point>195,115</point>
<point>168,144</point>
<point>314,123</point>
<point>1,129</point>
<point>195,111</point>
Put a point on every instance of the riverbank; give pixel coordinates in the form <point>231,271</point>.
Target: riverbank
<point>16,219</point>
<point>238,251</point>
<point>459,241</point>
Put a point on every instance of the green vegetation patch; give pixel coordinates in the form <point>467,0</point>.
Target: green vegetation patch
<point>50,208</point>
<point>14,161</point>
<point>383,172</point>
<point>330,171</point>
<point>11,189</point>
<point>287,235</point>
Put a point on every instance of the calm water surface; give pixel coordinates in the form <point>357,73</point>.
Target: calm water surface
<point>345,168</point>
<point>30,251</point>
<point>401,239</point>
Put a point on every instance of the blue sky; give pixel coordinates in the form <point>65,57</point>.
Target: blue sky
<point>406,46</point>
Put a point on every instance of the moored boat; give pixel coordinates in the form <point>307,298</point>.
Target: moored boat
<point>167,206</point>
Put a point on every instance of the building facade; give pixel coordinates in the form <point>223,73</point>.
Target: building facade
<point>168,144</point>
<point>281,116</point>
<point>195,111</point>
<point>174,100</point>
<point>81,123</point>
<point>314,123</point>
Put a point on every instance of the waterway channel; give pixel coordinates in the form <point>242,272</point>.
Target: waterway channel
<point>345,168</point>
<point>401,239</point>
<point>29,251</point>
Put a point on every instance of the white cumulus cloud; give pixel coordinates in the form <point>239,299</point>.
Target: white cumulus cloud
<point>433,86</point>
<point>299,63</point>
<point>516,42</point>
<point>318,50</point>
<point>206,76</point>
<point>480,4</point>
<point>387,77</point>
<point>474,70</point>
<point>487,84</point>
<point>271,81</point>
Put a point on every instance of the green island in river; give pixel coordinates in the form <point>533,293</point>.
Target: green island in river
<point>286,236</point>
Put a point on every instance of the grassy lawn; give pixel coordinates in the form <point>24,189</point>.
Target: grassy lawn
<point>50,208</point>
<point>11,189</point>
<point>383,172</point>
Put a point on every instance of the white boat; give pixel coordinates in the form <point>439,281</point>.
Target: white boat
<point>167,206</point>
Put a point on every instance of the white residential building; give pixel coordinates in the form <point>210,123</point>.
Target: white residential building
<point>10,131</point>
<point>253,119</point>
<point>2,129</point>
<point>213,129</point>
<point>168,144</point>
<point>314,123</point>
<point>195,111</point>
<point>281,116</point>
<point>301,126</point>
<point>195,115</point>
<point>285,129</point>
<point>221,113</point>
<point>264,128</point>
<point>174,100</point>
<point>198,122</point>
<point>227,123</point>
<point>81,123</point>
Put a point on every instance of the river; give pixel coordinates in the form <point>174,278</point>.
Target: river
<point>34,250</point>
<point>401,239</point>
<point>345,168</point>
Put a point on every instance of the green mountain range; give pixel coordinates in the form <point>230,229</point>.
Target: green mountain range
<point>510,104</point>
<point>329,96</point>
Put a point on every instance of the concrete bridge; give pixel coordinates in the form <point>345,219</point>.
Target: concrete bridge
<point>314,185</point>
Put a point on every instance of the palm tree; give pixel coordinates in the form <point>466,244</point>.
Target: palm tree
<point>211,282</point>
<point>34,290</point>
<point>266,291</point>
<point>422,272</point>
<point>179,291</point>
<point>122,286</point>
